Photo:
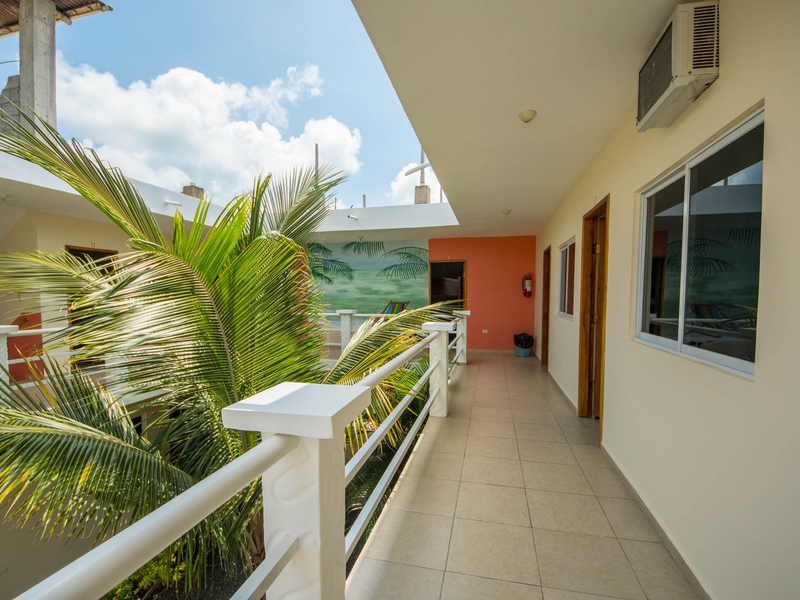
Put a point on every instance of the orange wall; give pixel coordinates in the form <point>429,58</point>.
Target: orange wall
<point>495,267</point>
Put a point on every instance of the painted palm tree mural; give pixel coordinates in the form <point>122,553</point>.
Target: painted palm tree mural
<point>366,275</point>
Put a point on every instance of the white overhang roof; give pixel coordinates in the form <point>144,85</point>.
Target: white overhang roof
<point>464,70</point>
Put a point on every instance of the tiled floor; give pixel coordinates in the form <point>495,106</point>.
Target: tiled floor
<point>509,497</point>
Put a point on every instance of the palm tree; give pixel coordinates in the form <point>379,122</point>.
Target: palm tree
<point>412,260</point>
<point>199,321</point>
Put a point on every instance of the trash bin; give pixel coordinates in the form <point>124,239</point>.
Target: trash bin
<point>524,343</point>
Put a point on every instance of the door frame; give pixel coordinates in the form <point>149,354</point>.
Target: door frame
<point>586,356</point>
<point>544,342</point>
<point>449,260</point>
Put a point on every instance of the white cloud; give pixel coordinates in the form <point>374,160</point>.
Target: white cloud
<point>403,186</point>
<point>182,126</point>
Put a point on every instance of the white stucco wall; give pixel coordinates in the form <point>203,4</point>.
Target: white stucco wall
<point>712,454</point>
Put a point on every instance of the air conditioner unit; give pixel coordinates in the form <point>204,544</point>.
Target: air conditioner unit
<point>684,61</point>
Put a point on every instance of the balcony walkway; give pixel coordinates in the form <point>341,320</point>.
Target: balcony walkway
<point>510,498</point>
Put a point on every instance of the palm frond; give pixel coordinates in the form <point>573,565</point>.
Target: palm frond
<point>364,248</point>
<point>745,236</point>
<point>107,189</point>
<point>71,460</point>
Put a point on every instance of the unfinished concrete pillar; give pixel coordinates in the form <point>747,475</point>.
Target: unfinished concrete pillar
<point>422,194</point>
<point>37,58</point>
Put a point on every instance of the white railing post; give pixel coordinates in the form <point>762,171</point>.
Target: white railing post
<point>304,493</point>
<point>4,331</point>
<point>346,325</point>
<point>439,352</point>
<point>461,336</point>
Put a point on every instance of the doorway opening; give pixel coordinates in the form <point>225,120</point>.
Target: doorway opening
<point>87,255</point>
<point>449,282</point>
<point>544,352</point>
<point>594,287</point>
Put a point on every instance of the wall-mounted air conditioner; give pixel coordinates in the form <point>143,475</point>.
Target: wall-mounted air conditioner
<point>684,61</point>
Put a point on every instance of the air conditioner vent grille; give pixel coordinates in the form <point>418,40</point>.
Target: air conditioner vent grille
<point>705,47</point>
<point>656,74</point>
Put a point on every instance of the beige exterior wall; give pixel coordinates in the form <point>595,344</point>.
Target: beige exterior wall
<point>50,233</point>
<point>712,454</point>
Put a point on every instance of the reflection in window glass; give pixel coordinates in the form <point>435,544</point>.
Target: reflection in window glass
<point>566,304</point>
<point>663,261</point>
<point>724,249</point>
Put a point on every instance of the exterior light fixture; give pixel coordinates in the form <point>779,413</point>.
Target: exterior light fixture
<point>526,116</point>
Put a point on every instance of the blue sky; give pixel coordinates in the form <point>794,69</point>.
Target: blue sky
<point>339,93</point>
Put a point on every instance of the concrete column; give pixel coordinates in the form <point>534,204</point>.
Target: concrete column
<point>438,352</point>
<point>37,58</point>
<point>461,334</point>
<point>346,325</point>
<point>4,331</point>
<point>304,493</point>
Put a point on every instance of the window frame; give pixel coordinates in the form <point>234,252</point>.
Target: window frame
<point>563,275</point>
<point>728,363</point>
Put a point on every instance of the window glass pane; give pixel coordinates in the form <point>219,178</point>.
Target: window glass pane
<point>566,298</point>
<point>724,249</point>
<point>663,261</point>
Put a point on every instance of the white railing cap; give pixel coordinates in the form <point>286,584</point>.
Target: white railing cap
<point>446,326</point>
<point>347,311</point>
<point>303,409</point>
<point>6,329</point>
<point>461,313</point>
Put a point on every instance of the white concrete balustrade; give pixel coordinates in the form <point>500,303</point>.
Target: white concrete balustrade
<point>301,461</point>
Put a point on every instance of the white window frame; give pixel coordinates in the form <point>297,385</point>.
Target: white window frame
<point>563,270</point>
<point>735,365</point>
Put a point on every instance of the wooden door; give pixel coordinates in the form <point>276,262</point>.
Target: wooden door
<point>594,285</point>
<point>545,335</point>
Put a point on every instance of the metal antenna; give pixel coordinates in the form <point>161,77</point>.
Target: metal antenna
<point>364,200</point>
<point>422,161</point>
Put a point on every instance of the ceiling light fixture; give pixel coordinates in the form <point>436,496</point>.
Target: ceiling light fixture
<point>526,116</point>
<point>506,211</point>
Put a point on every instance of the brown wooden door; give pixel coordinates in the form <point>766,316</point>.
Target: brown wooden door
<point>545,335</point>
<point>594,285</point>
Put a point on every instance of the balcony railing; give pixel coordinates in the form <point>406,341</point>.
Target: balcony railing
<point>301,463</point>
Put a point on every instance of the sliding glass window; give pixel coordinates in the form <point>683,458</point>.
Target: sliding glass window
<point>701,238</point>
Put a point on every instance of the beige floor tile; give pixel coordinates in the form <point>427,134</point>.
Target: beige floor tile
<point>605,482</point>
<point>493,447</point>
<point>425,495</point>
<point>585,563</point>
<point>486,412</point>
<point>493,503</point>
<point>538,404</point>
<point>459,411</point>
<point>572,513</point>
<point>627,521</point>
<point>539,433</point>
<point>657,572</point>
<point>589,456</point>
<point>492,428</point>
<point>493,401</point>
<point>448,424</point>
<point>492,471</point>
<point>553,594</point>
<point>433,464</point>
<point>563,407</point>
<point>546,452</point>
<point>372,579</point>
<point>444,443</point>
<point>530,393</point>
<point>573,420</point>
<point>410,538</point>
<point>492,550</point>
<point>542,417</point>
<point>555,478</point>
<point>579,435</point>
<point>468,587</point>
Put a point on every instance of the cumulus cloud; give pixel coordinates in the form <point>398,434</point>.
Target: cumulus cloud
<point>182,126</point>
<point>403,186</point>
